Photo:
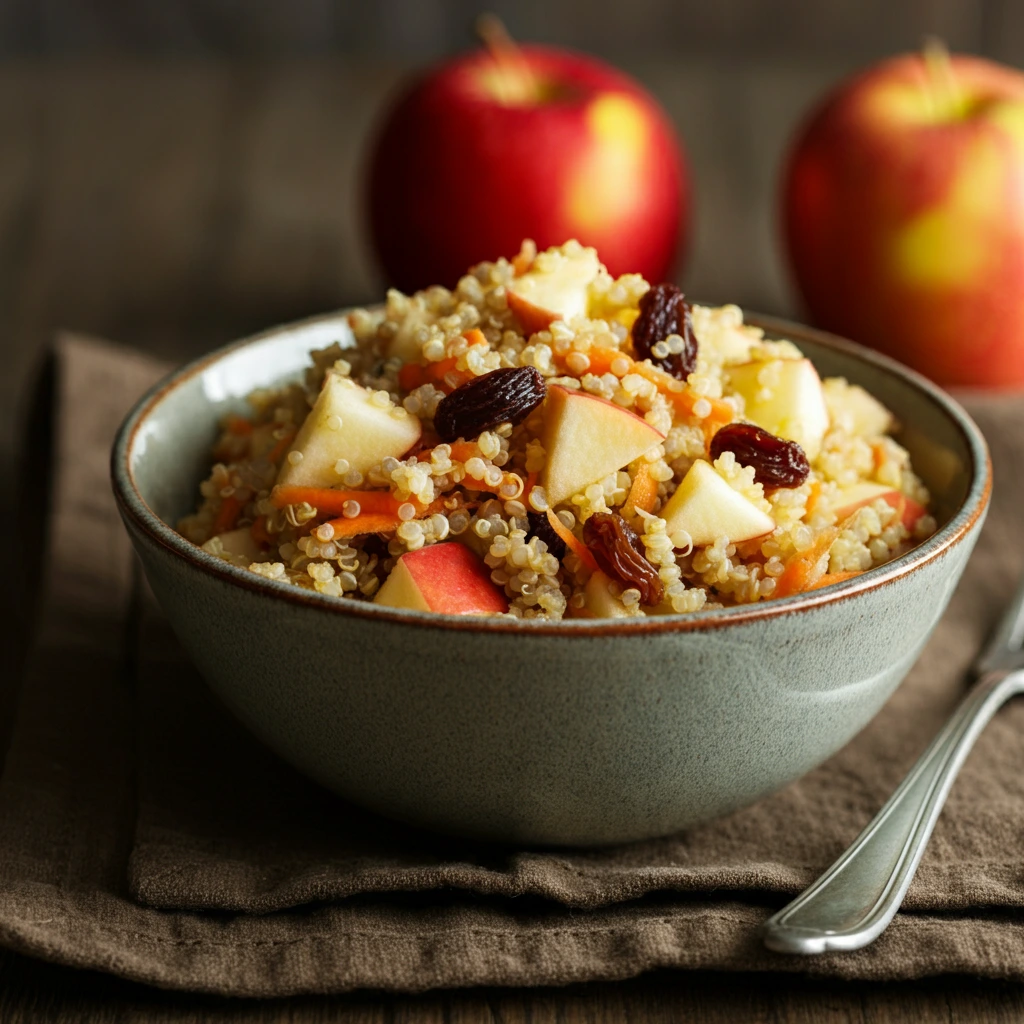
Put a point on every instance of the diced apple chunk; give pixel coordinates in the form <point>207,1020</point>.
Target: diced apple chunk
<point>724,335</point>
<point>849,499</point>
<point>238,543</point>
<point>586,438</point>
<point>351,423</point>
<point>706,507</point>
<point>404,343</point>
<point>442,578</point>
<point>601,603</point>
<point>855,409</point>
<point>556,287</point>
<point>784,397</point>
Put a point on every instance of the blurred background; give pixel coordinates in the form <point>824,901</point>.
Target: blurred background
<point>175,173</point>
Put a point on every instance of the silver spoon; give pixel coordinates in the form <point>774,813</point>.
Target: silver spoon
<point>852,903</point>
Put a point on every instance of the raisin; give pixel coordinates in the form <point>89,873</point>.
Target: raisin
<point>664,311</point>
<point>540,527</point>
<point>485,402</point>
<point>776,462</point>
<point>619,552</point>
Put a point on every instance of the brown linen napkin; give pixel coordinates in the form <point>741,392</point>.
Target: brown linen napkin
<point>223,825</point>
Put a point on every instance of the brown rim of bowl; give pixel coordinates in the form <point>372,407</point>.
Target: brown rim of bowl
<point>135,510</point>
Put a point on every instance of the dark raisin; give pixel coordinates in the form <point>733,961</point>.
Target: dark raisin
<point>619,552</point>
<point>776,462</point>
<point>540,527</point>
<point>664,311</point>
<point>501,396</point>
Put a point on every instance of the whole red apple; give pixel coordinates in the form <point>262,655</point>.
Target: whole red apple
<point>504,144</point>
<point>904,215</point>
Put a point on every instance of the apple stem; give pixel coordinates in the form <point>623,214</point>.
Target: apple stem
<point>941,85</point>
<point>514,77</point>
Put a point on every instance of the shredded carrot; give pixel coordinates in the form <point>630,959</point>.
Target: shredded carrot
<point>411,376</point>
<point>805,568</point>
<point>258,532</point>
<point>835,577</point>
<point>235,424</point>
<point>814,494</point>
<point>461,451</point>
<point>878,453</point>
<point>378,522</point>
<point>328,501</point>
<point>684,399</point>
<point>281,446</point>
<point>444,374</point>
<point>643,494</point>
<point>571,542</point>
<point>521,262</point>
<point>370,522</point>
<point>601,358</point>
<point>227,514</point>
<point>531,482</point>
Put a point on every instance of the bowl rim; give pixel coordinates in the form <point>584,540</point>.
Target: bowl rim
<point>966,518</point>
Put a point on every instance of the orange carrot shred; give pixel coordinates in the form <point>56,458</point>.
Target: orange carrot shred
<point>258,532</point>
<point>575,545</point>
<point>531,482</point>
<point>812,498</point>
<point>684,398</point>
<point>277,452</point>
<point>378,522</point>
<point>369,522</point>
<point>835,577</point>
<point>227,514</point>
<point>805,568</point>
<point>235,424</point>
<point>462,451</point>
<point>328,501</point>
<point>643,493</point>
<point>411,376</point>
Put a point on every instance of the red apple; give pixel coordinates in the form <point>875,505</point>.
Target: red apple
<point>442,578</point>
<point>904,215</point>
<point>504,144</point>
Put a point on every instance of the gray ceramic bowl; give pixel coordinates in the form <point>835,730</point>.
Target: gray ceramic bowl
<point>580,732</point>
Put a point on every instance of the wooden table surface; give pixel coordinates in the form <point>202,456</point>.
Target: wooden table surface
<point>177,206</point>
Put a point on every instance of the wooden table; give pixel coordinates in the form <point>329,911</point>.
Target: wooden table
<point>174,207</point>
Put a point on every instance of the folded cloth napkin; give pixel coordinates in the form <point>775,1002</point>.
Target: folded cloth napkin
<point>225,871</point>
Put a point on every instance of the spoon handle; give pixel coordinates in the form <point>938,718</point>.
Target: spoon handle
<point>851,904</point>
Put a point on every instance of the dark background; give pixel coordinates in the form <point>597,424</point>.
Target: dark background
<point>176,172</point>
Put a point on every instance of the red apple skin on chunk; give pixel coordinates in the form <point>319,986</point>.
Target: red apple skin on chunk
<point>867,493</point>
<point>903,215</point>
<point>445,578</point>
<point>586,438</point>
<point>458,176</point>
<point>540,296</point>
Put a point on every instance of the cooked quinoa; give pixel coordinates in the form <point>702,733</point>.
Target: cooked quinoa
<point>343,527</point>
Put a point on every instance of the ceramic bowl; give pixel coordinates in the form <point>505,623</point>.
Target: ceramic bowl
<point>577,732</point>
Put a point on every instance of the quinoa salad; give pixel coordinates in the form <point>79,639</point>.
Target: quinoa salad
<point>545,441</point>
